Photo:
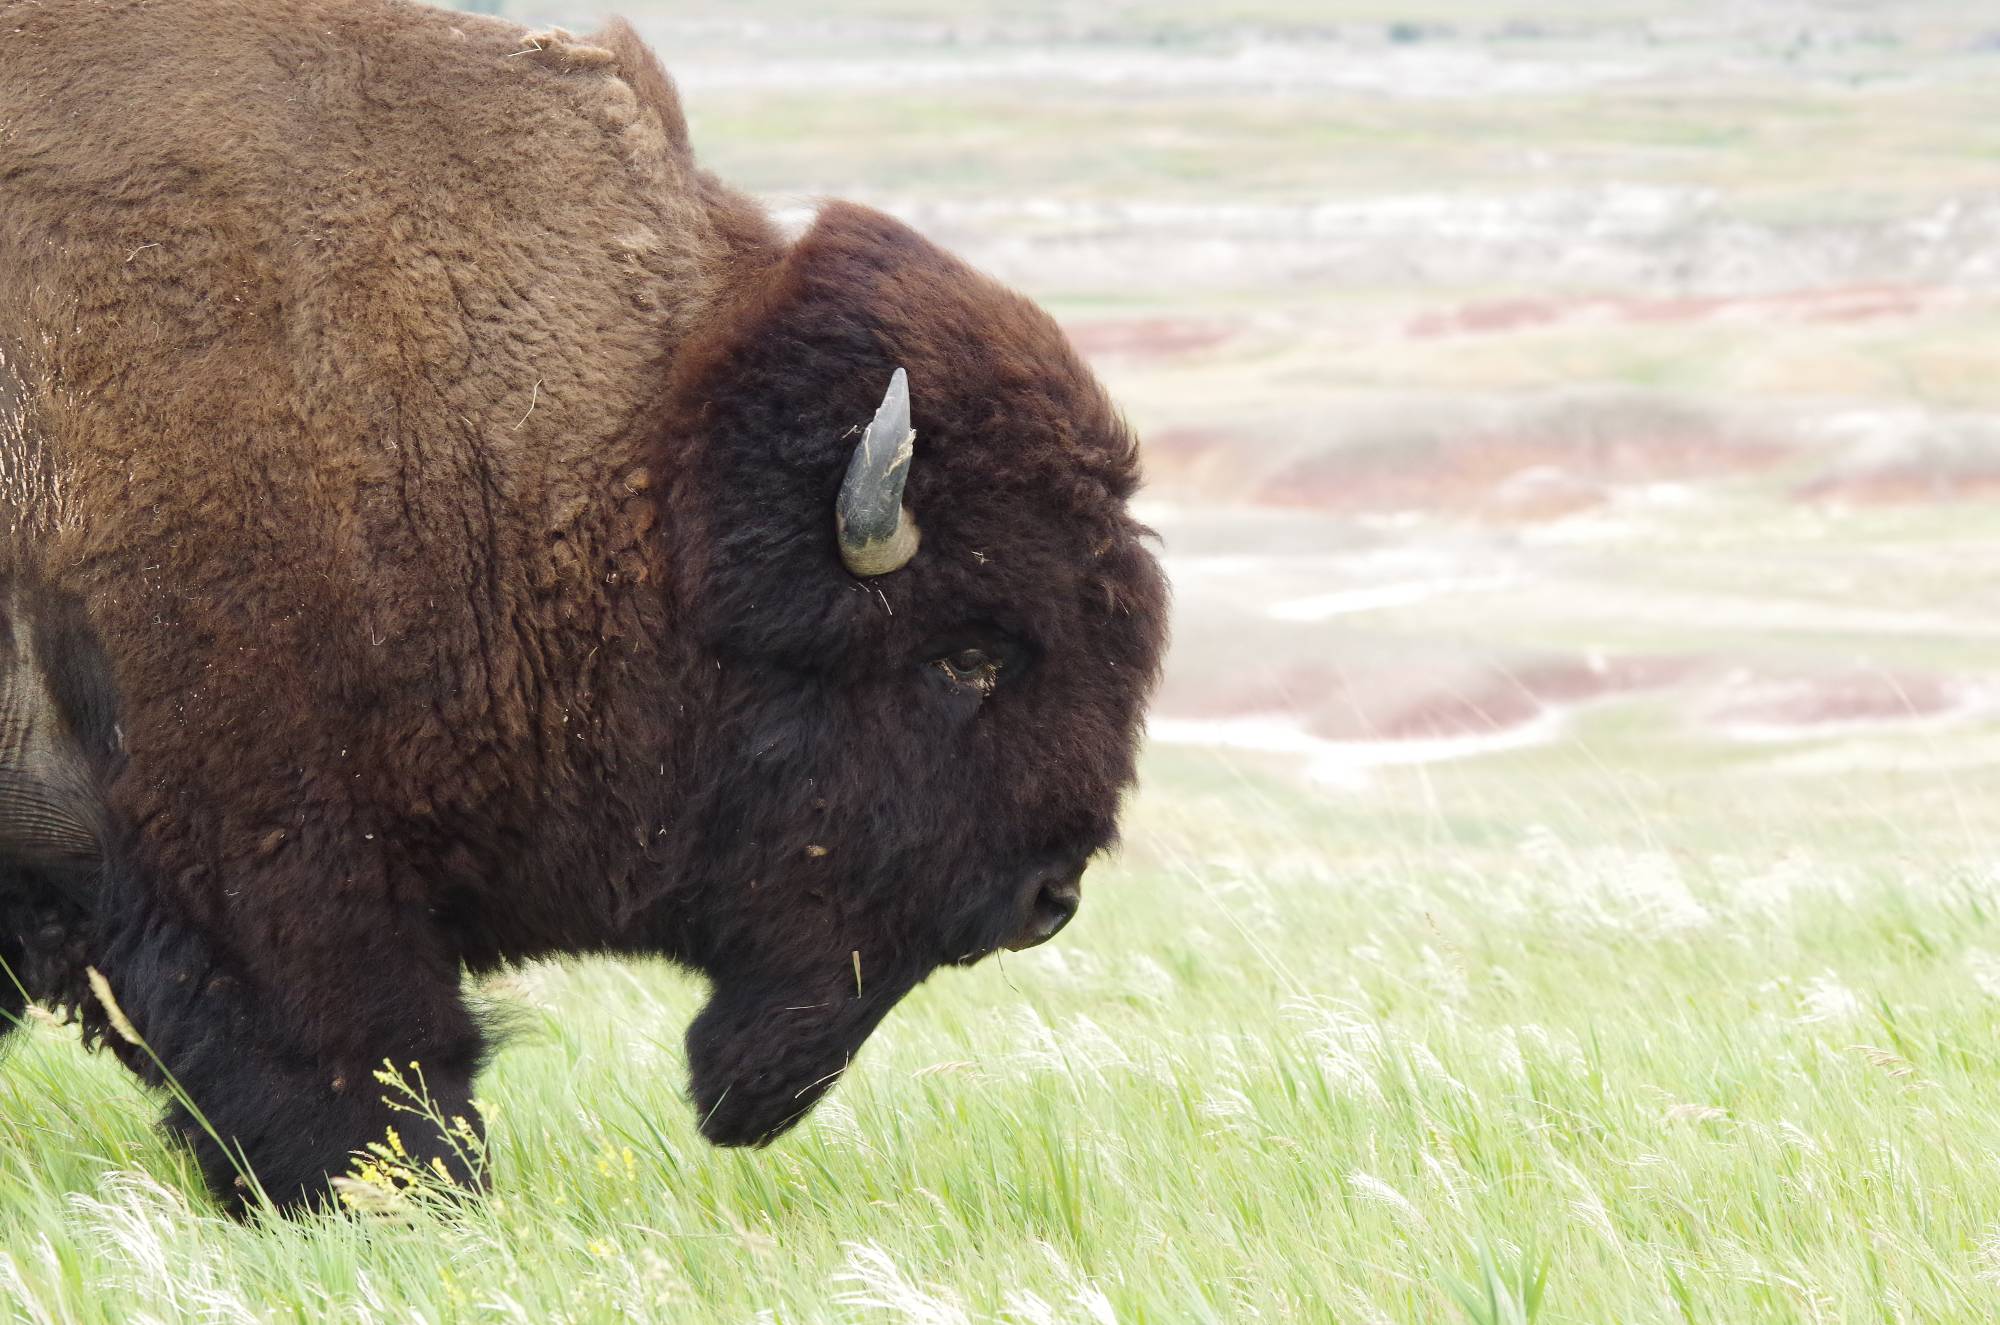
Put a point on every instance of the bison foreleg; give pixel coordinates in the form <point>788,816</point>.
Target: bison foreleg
<point>260,1086</point>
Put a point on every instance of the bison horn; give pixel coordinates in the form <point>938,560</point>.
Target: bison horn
<point>877,532</point>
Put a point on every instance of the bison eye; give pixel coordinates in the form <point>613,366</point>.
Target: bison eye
<point>970,669</point>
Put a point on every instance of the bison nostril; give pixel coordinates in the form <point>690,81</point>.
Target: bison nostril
<point>1051,905</point>
<point>1057,902</point>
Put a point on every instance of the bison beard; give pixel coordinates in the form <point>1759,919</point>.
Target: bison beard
<point>510,546</point>
<point>758,1062</point>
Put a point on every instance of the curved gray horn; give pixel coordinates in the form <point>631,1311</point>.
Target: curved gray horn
<point>877,532</point>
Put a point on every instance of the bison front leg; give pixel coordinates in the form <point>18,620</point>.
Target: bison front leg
<point>273,1057</point>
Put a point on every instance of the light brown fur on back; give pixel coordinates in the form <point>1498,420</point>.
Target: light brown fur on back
<point>378,299</point>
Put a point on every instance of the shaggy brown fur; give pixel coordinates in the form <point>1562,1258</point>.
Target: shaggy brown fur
<point>446,466</point>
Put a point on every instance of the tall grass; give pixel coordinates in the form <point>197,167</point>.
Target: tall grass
<point>1340,1065</point>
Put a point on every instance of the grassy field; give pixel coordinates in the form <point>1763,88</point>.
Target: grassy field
<point>1676,1043</point>
<point>1565,885</point>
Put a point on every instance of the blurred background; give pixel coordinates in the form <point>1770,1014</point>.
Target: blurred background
<point>1512,375</point>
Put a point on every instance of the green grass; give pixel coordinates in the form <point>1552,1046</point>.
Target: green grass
<point>1301,1060</point>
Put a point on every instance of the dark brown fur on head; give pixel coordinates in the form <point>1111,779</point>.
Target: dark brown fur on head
<point>864,803</point>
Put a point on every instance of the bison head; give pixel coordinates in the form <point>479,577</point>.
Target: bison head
<point>917,672</point>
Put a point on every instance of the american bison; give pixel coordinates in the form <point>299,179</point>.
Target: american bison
<point>446,527</point>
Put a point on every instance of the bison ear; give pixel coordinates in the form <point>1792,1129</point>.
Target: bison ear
<point>877,532</point>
